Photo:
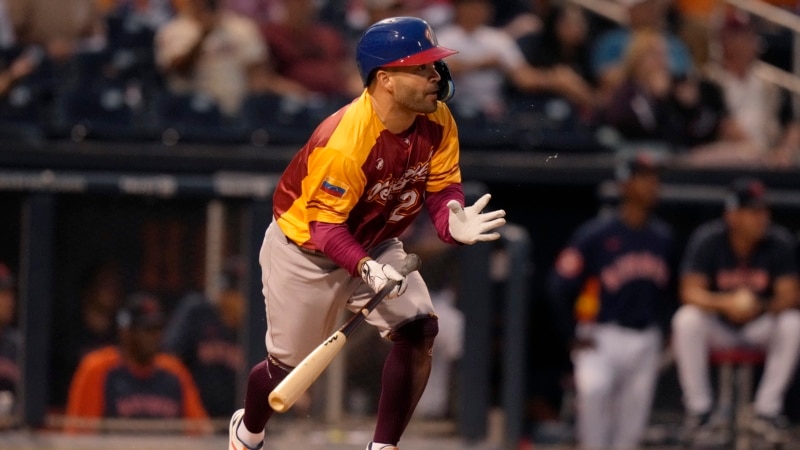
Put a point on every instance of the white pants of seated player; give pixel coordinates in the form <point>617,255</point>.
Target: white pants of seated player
<point>615,383</point>
<point>696,332</point>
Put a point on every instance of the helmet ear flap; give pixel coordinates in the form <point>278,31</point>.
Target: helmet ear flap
<point>447,88</point>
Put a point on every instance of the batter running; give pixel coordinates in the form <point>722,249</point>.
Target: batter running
<point>362,178</point>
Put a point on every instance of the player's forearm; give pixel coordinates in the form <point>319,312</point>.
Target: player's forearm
<point>703,298</point>
<point>785,296</point>
<point>336,242</point>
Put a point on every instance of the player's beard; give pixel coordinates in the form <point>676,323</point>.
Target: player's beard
<point>418,101</point>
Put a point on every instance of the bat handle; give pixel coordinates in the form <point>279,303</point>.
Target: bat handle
<point>411,263</point>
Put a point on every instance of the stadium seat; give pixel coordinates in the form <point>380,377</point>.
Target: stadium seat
<point>193,117</point>
<point>274,119</point>
<point>98,110</point>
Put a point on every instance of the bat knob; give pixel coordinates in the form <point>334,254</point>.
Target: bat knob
<point>277,403</point>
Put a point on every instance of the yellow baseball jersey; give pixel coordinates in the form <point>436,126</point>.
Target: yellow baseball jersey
<point>355,171</point>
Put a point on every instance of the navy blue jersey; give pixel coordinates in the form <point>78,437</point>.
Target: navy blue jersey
<point>106,385</point>
<point>626,272</point>
<point>708,252</point>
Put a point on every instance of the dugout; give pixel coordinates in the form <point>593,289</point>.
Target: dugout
<point>168,234</point>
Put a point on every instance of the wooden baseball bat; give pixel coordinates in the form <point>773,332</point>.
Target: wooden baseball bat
<point>311,367</point>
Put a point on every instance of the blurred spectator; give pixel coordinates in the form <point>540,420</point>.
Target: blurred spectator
<point>610,48</point>
<point>697,18</point>
<point>64,28</point>
<point>261,11</point>
<point>563,39</point>
<point>639,107</point>
<point>133,380</point>
<point>529,20</point>
<point>488,58</point>
<point>312,53</point>
<point>684,115</point>
<point>762,109</point>
<point>563,45</point>
<point>49,36</point>
<point>10,344</point>
<point>101,293</point>
<point>216,53</point>
<point>204,334</point>
<point>705,120</point>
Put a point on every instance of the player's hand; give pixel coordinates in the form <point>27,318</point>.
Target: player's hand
<point>378,275</point>
<point>468,225</point>
<point>742,306</point>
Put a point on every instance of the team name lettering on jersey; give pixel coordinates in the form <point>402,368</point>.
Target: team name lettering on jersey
<point>631,266</point>
<point>384,190</point>
<point>753,278</point>
<point>147,406</point>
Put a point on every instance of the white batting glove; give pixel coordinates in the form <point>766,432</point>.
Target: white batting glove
<point>468,225</point>
<point>378,275</point>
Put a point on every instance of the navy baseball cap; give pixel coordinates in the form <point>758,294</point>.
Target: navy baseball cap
<point>141,310</point>
<point>640,163</point>
<point>7,280</point>
<point>746,193</point>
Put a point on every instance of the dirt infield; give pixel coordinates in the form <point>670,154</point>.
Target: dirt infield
<point>294,435</point>
<point>320,439</point>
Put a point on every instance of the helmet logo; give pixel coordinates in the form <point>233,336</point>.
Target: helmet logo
<point>429,36</point>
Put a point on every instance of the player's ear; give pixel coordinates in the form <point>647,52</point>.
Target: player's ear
<point>383,78</point>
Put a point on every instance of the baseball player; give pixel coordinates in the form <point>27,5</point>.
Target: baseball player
<point>134,380</point>
<point>361,179</point>
<point>738,286</point>
<point>614,277</point>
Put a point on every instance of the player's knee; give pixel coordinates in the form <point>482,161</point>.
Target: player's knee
<point>788,324</point>
<point>595,390</point>
<point>422,330</point>
<point>688,317</point>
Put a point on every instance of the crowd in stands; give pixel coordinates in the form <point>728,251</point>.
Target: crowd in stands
<point>538,74</point>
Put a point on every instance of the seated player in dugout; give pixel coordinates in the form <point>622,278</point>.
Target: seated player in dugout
<point>135,380</point>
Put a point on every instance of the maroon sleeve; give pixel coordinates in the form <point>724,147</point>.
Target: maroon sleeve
<point>436,202</point>
<point>336,242</point>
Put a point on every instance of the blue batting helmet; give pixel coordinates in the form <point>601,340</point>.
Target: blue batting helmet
<point>398,41</point>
